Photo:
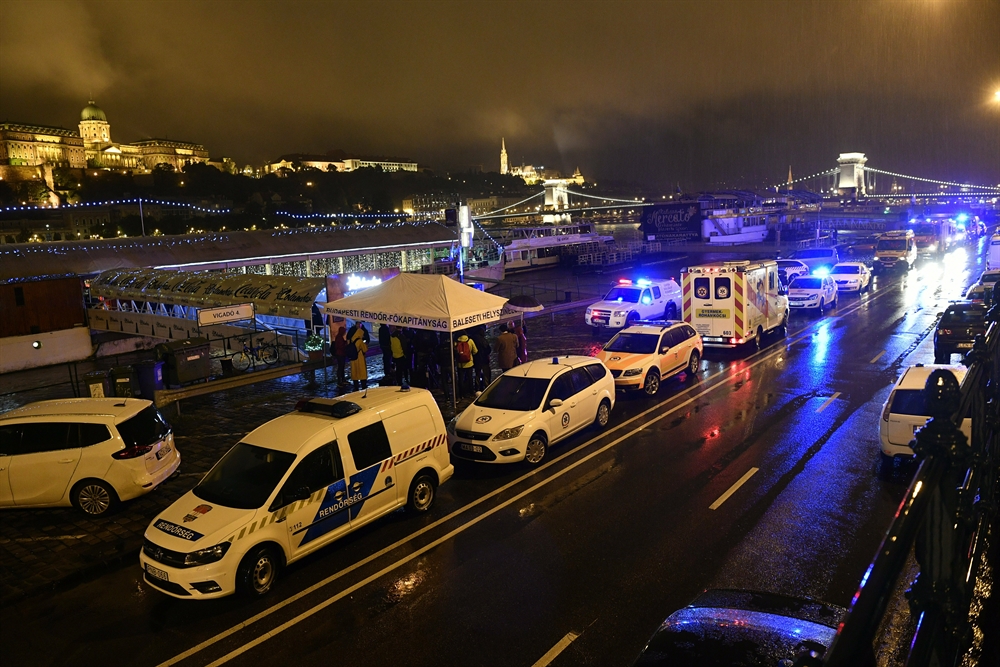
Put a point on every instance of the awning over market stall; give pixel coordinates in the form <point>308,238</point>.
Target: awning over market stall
<point>282,296</point>
<point>433,302</point>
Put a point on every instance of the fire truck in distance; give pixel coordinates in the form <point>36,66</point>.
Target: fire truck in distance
<point>734,303</point>
<point>934,234</point>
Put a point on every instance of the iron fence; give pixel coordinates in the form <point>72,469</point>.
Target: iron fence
<point>944,521</point>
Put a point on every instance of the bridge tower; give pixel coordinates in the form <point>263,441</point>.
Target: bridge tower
<point>556,196</point>
<point>852,173</point>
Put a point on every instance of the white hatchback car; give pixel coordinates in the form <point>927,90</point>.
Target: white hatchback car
<point>90,453</point>
<point>851,276</point>
<point>531,407</point>
<point>905,411</point>
<point>812,293</point>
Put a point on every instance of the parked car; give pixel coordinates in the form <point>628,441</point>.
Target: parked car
<point>958,327</point>
<point>629,301</point>
<point>905,412</point>
<point>789,268</point>
<point>851,276</point>
<point>294,485</point>
<point>531,407</point>
<point>980,293</point>
<point>817,258</point>
<point>643,355</point>
<point>812,292</point>
<point>90,453</point>
<point>735,627</point>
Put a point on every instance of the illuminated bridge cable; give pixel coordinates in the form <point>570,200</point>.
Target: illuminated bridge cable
<point>632,202</point>
<point>934,181</point>
<point>828,172</point>
<point>501,210</point>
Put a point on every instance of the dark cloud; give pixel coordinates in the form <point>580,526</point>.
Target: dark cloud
<point>702,92</point>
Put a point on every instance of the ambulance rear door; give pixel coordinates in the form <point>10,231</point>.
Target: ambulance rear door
<point>713,309</point>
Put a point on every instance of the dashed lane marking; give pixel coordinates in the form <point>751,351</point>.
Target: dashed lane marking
<point>733,489</point>
<point>554,652</point>
<point>827,402</point>
<point>877,357</point>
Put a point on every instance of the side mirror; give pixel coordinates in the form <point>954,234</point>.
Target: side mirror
<point>478,394</point>
<point>663,350</point>
<point>555,402</point>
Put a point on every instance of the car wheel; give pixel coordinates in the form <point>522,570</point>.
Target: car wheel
<point>603,414</point>
<point>535,452</point>
<point>422,493</point>
<point>670,313</point>
<point>94,497</point>
<point>836,299</point>
<point>822,307</point>
<point>631,319</point>
<point>257,572</point>
<point>941,358</point>
<point>652,384</point>
<point>886,464</point>
<point>694,364</point>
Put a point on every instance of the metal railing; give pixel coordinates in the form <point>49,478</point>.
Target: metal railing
<point>944,520</point>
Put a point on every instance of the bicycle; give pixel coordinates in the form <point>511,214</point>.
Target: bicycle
<point>264,352</point>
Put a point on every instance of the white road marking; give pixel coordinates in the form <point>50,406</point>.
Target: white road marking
<point>877,357</point>
<point>807,331</point>
<point>827,402</point>
<point>560,646</point>
<point>740,482</point>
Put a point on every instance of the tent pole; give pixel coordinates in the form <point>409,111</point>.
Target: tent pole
<point>454,382</point>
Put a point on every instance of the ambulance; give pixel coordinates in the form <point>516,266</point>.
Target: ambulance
<point>734,303</point>
<point>294,485</point>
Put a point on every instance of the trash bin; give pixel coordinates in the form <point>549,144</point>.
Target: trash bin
<point>97,384</point>
<point>123,381</point>
<point>187,361</point>
<point>150,374</point>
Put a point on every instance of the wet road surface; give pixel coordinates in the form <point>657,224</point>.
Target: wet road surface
<point>758,473</point>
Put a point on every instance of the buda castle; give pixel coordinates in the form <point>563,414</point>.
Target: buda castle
<point>25,148</point>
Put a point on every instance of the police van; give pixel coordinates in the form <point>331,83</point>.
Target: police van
<point>295,484</point>
<point>734,303</point>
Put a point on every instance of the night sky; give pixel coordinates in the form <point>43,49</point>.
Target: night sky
<point>705,94</point>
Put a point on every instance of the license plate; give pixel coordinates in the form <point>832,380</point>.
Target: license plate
<point>599,320</point>
<point>478,449</point>
<point>963,346</point>
<point>156,573</point>
<point>164,450</point>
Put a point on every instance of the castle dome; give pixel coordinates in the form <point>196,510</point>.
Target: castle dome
<point>92,112</point>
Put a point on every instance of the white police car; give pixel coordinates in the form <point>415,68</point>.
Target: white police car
<point>812,292</point>
<point>295,484</point>
<point>629,301</point>
<point>531,407</point>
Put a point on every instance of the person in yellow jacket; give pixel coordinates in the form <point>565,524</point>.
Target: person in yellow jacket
<point>359,368</point>
<point>465,350</point>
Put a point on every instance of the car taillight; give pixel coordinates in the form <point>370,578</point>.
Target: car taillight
<point>945,332</point>
<point>885,410</point>
<point>132,452</point>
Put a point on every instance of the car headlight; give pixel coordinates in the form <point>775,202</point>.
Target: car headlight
<point>450,426</point>
<point>206,556</point>
<point>590,312</point>
<point>509,433</point>
<point>621,313</point>
<point>632,372</point>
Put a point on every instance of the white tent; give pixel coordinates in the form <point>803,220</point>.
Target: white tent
<point>433,302</point>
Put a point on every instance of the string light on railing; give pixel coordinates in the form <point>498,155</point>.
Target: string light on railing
<point>116,202</point>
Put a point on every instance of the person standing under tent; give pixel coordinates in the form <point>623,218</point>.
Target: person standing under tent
<point>356,353</point>
<point>465,351</point>
<point>507,348</point>
<point>400,362</point>
<point>481,359</point>
<point>385,343</point>
<point>340,351</point>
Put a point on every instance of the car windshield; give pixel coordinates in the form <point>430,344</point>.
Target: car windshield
<point>245,477</point>
<point>891,244</point>
<point>623,294</point>
<point>636,343</point>
<point>144,429</point>
<point>805,282</point>
<point>511,392</point>
<point>846,268</point>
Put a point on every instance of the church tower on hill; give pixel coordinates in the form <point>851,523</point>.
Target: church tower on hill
<point>503,157</point>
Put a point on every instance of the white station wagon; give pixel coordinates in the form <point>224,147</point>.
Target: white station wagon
<point>531,407</point>
<point>90,453</point>
<point>295,484</point>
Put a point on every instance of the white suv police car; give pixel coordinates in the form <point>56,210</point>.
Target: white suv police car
<point>295,484</point>
<point>642,355</point>
<point>628,302</point>
<point>531,407</point>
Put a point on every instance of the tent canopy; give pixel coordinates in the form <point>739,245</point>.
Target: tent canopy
<point>433,302</point>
